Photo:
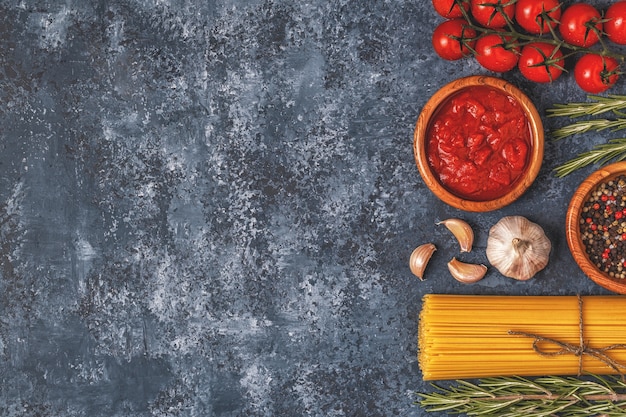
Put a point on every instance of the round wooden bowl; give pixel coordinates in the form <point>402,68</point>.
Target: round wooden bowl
<point>420,139</point>
<point>572,226</point>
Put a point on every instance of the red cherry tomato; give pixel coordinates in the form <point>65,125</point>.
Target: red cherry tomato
<point>578,22</point>
<point>453,39</point>
<point>615,22</point>
<point>449,8</point>
<point>496,53</point>
<point>541,62</point>
<point>595,73</point>
<point>536,16</point>
<point>490,13</point>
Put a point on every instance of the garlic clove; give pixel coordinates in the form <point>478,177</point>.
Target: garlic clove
<point>462,231</point>
<point>465,272</point>
<point>518,248</point>
<point>419,259</point>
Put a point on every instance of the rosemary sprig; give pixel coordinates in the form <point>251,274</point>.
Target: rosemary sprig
<point>522,397</point>
<point>613,150</point>
<point>587,126</point>
<point>599,105</point>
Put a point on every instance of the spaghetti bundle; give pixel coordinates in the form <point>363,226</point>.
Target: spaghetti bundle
<point>471,336</point>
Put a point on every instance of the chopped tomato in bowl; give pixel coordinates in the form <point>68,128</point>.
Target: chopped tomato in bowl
<point>478,143</point>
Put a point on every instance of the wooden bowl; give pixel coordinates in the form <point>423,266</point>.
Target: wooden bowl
<point>420,142</point>
<point>572,226</point>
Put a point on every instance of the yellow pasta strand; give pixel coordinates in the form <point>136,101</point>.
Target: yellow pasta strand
<point>467,336</point>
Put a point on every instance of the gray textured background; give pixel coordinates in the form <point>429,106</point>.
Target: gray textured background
<point>207,206</point>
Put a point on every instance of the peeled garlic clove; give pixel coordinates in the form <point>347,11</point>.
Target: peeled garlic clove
<point>462,231</point>
<point>465,272</point>
<point>518,248</point>
<point>419,259</point>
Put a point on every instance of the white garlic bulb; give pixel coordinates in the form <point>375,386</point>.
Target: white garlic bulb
<point>518,248</point>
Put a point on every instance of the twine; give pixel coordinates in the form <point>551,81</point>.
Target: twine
<point>579,350</point>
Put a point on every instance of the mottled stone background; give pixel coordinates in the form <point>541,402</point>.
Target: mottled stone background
<point>207,206</point>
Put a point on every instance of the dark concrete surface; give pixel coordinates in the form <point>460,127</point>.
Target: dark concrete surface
<point>207,207</point>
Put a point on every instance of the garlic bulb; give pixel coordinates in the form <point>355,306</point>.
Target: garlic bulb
<point>518,248</point>
<point>462,231</point>
<point>465,272</point>
<point>419,259</point>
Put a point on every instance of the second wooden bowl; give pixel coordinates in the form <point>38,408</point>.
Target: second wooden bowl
<point>573,233</point>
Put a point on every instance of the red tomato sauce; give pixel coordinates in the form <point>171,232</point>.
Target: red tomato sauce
<point>478,143</point>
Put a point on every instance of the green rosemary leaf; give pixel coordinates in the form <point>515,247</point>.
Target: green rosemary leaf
<point>495,408</point>
<point>614,150</point>
<point>441,403</point>
<point>512,385</point>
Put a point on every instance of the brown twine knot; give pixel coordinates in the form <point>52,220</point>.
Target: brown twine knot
<point>579,350</point>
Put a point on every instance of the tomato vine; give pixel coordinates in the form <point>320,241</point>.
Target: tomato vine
<point>539,36</point>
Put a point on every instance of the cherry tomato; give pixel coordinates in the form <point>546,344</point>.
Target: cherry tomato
<point>595,73</point>
<point>578,22</point>
<point>449,8</point>
<point>489,13</point>
<point>615,22</point>
<point>541,62</point>
<point>452,39</point>
<point>529,14</point>
<point>495,53</point>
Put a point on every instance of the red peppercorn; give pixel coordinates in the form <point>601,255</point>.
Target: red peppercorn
<point>596,206</point>
<point>588,219</point>
<point>604,197</point>
<point>605,255</point>
<point>595,227</point>
<point>618,214</point>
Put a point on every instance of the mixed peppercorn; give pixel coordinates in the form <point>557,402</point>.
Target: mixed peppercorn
<point>603,227</point>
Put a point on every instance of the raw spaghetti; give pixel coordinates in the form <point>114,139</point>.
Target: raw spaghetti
<point>471,336</point>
